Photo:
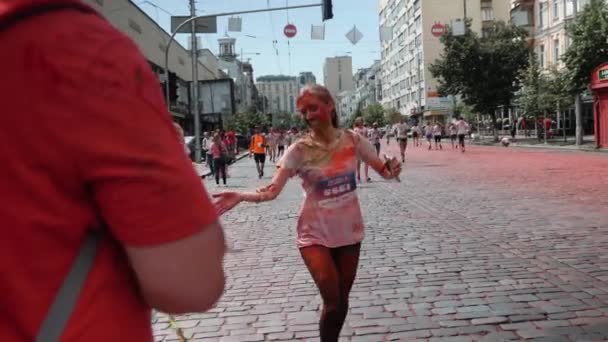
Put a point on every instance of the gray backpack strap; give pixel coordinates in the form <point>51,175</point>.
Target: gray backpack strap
<point>66,298</point>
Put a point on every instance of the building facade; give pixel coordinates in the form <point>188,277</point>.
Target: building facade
<point>280,93</point>
<point>240,71</point>
<point>152,41</point>
<point>338,74</point>
<point>366,92</point>
<point>413,44</point>
<point>545,21</point>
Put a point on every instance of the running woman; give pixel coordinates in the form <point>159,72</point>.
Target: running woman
<point>416,132</point>
<point>281,141</point>
<point>428,133</point>
<point>453,135</point>
<point>437,133</point>
<point>361,129</point>
<point>330,227</point>
<point>374,136</point>
<point>400,131</point>
<point>462,128</point>
<point>257,149</point>
<point>220,154</point>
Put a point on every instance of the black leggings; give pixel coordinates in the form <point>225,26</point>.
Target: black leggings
<point>334,271</point>
<point>220,167</point>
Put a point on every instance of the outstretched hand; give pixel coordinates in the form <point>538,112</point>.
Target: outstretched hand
<point>394,167</point>
<point>225,201</point>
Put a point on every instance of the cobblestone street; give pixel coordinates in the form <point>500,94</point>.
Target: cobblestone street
<point>496,244</point>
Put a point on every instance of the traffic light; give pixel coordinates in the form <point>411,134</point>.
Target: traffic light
<point>328,11</point>
<point>172,87</point>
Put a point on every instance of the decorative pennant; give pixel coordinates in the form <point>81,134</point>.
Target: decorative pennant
<point>235,24</point>
<point>354,35</point>
<point>317,32</point>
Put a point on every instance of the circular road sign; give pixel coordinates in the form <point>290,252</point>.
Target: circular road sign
<point>437,30</point>
<point>290,30</point>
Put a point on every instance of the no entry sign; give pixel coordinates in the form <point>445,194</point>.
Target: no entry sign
<point>290,30</point>
<point>437,30</point>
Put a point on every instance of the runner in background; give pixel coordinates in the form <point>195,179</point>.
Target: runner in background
<point>361,129</point>
<point>437,133</point>
<point>400,132</point>
<point>453,135</point>
<point>330,227</point>
<point>375,135</point>
<point>281,141</point>
<point>271,141</point>
<point>257,149</point>
<point>428,133</point>
<point>416,133</point>
<point>462,129</point>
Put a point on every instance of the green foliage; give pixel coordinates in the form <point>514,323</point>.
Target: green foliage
<point>392,117</point>
<point>483,71</point>
<point>589,36</point>
<point>543,92</point>
<point>244,122</point>
<point>374,113</point>
<point>534,98</point>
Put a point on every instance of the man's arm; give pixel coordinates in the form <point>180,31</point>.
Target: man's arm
<point>145,189</point>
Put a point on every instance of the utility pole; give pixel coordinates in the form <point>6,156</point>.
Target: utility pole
<point>195,105</point>
<point>464,5</point>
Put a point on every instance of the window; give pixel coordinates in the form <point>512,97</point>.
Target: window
<point>555,13</point>
<point>487,14</point>
<point>542,12</point>
<point>569,8</point>
<point>556,55</point>
<point>541,56</point>
<point>340,64</point>
<point>339,82</point>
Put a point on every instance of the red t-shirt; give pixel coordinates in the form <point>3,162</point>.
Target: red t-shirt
<point>231,137</point>
<point>83,134</point>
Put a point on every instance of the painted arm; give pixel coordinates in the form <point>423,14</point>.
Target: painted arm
<point>271,191</point>
<point>388,169</point>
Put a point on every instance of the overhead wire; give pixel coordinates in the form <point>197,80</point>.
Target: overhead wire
<point>274,40</point>
<point>288,41</point>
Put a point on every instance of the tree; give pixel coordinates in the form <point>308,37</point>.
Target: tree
<point>374,114</point>
<point>535,96</point>
<point>589,36</point>
<point>244,122</point>
<point>483,71</point>
<point>393,116</point>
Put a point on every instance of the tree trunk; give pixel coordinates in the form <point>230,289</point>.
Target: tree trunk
<point>578,118</point>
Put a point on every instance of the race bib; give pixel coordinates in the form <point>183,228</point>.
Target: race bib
<point>337,186</point>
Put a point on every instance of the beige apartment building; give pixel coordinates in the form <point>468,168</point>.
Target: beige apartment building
<point>338,74</point>
<point>279,94</point>
<point>413,44</point>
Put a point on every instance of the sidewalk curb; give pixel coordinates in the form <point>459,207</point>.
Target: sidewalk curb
<point>243,155</point>
<point>549,147</point>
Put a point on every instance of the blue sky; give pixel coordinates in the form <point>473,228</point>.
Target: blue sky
<point>306,54</point>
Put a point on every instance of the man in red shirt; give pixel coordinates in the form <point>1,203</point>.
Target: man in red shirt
<point>85,138</point>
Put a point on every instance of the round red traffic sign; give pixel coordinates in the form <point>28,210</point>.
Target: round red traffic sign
<point>438,30</point>
<point>290,30</point>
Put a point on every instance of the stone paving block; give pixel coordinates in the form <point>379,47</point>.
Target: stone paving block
<point>489,320</point>
<point>283,336</point>
<point>499,337</point>
<point>409,335</point>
